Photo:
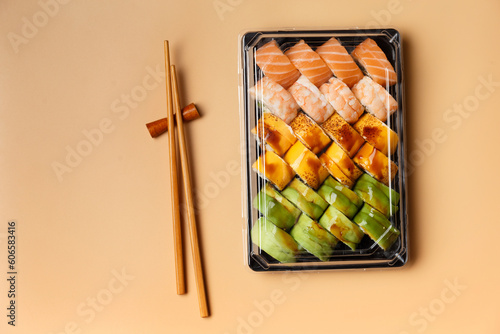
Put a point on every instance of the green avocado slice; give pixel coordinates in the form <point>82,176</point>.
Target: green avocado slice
<point>315,239</point>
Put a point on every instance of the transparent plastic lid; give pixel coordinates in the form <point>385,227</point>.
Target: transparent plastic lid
<point>324,180</point>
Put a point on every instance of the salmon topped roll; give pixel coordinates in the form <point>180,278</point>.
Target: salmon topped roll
<point>309,63</point>
<point>276,65</point>
<point>342,99</point>
<point>310,99</point>
<point>275,98</point>
<point>376,100</point>
<point>340,62</point>
<point>374,62</point>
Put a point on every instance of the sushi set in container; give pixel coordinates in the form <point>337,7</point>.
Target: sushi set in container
<point>324,180</point>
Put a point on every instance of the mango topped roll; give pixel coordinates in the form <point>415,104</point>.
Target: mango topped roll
<point>271,167</point>
<point>377,134</point>
<point>376,164</point>
<point>275,133</point>
<point>306,164</point>
<point>309,133</point>
<point>342,160</point>
<point>343,134</point>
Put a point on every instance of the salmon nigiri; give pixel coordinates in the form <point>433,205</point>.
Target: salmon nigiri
<point>374,61</point>
<point>342,99</point>
<point>309,63</point>
<point>277,99</point>
<point>340,62</point>
<point>375,98</point>
<point>311,100</point>
<point>276,65</point>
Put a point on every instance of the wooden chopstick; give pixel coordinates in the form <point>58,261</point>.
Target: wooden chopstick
<point>186,177</point>
<point>176,220</point>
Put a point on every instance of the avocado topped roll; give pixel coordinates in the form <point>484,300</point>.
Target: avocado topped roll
<point>341,227</point>
<point>376,226</point>
<point>274,241</point>
<point>271,167</point>
<point>392,194</point>
<point>305,199</point>
<point>313,238</point>
<point>306,164</point>
<point>275,133</point>
<point>377,194</point>
<point>340,197</point>
<point>276,208</point>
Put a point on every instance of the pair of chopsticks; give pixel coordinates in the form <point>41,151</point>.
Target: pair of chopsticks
<point>172,89</point>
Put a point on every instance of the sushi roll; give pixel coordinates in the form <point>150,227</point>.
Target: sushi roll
<point>274,241</point>
<point>271,167</point>
<point>342,160</point>
<point>376,100</point>
<point>271,191</point>
<point>306,164</point>
<point>375,194</point>
<point>335,171</point>
<point>376,226</point>
<point>275,98</point>
<point>342,198</point>
<point>374,62</point>
<point>390,193</point>
<point>340,62</point>
<point>309,63</point>
<point>274,211</point>
<point>343,134</point>
<point>310,99</point>
<point>304,198</point>
<point>314,238</point>
<point>276,65</point>
<point>342,99</point>
<point>275,133</point>
<point>377,133</point>
<point>309,133</point>
<point>341,227</point>
<point>376,164</point>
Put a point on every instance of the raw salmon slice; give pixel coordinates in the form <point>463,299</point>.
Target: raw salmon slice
<point>309,63</point>
<point>340,62</point>
<point>374,61</point>
<point>276,65</point>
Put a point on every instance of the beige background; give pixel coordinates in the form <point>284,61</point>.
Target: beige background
<point>112,211</point>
